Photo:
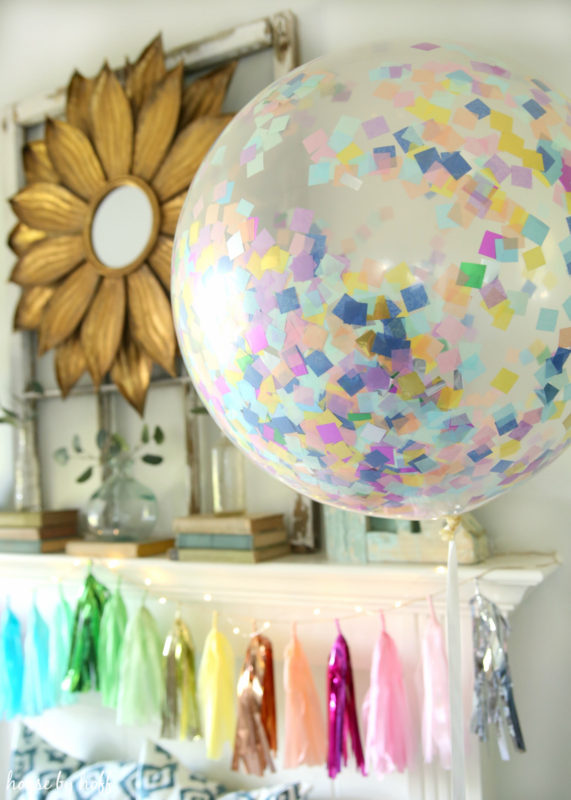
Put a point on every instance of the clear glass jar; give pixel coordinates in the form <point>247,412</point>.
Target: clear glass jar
<point>228,487</point>
<point>122,509</point>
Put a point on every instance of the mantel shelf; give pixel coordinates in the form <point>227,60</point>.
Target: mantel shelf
<point>296,581</point>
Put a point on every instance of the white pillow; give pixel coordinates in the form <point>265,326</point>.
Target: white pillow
<point>162,777</point>
<point>36,767</point>
<point>112,780</point>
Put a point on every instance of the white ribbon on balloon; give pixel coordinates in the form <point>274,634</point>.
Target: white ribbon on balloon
<point>455,674</point>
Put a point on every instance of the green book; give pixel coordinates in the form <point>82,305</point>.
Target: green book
<point>230,541</point>
<point>34,546</point>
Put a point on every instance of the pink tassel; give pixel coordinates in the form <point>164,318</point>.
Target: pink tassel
<point>436,704</point>
<point>305,738</point>
<point>386,712</point>
<point>342,708</point>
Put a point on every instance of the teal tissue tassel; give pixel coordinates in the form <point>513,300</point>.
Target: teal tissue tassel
<point>61,627</point>
<point>141,686</point>
<point>111,637</point>
<point>11,665</point>
<point>36,689</point>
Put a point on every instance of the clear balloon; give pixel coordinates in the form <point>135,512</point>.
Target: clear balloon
<point>371,279</point>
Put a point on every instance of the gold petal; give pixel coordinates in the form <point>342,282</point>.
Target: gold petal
<point>131,372</point>
<point>170,212</point>
<point>65,310</point>
<point>160,260</point>
<point>150,317</point>
<point>48,260</point>
<point>102,328</point>
<point>22,238</point>
<point>204,96</point>
<point>188,151</point>
<point>112,124</point>
<point>30,308</point>
<point>148,70</point>
<point>50,208</point>
<point>37,163</point>
<point>74,158</point>
<point>79,94</point>
<point>156,124</point>
<point>70,363</point>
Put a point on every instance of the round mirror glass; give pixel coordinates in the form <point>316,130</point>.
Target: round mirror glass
<point>122,226</point>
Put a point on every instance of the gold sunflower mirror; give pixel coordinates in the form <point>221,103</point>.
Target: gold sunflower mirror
<point>97,216</point>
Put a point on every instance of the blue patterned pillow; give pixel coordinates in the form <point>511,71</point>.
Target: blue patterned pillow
<point>285,791</point>
<point>112,780</point>
<point>162,777</point>
<point>36,767</point>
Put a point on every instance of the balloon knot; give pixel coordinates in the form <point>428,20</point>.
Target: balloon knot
<point>448,530</point>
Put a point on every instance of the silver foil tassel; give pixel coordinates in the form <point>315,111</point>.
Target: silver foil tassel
<point>493,692</point>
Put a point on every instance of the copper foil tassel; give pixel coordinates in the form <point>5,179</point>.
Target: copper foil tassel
<point>256,737</point>
<point>180,712</point>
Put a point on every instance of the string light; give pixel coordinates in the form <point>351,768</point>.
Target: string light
<point>316,616</point>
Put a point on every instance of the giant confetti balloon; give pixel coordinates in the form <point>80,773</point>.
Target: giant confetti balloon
<point>370,279</point>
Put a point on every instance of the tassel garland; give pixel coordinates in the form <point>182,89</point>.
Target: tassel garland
<point>11,665</point>
<point>494,702</point>
<point>305,736</point>
<point>216,691</point>
<point>111,636</point>
<point>385,710</point>
<point>82,666</point>
<point>342,708</point>
<point>256,737</point>
<point>140,697</point>
<point>180,711</point>
<point>436,742</point>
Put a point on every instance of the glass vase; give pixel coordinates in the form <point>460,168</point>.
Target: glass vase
<point>27,492</point>
<point>228,490</point>
<point>122,509</point>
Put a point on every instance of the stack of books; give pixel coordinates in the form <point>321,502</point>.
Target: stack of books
<point>240,538</point>
<point>98,548</point>
<point>37,531</point>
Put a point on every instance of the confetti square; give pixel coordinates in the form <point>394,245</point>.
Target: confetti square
<point>534,109</point>
<point>375,127</point>
<point>329,433</point>
<point>505,380</point>
<point>479,108</point>
<point>534,258</point>
<point>471,275</point>
<point>547,319</point>
<point>488,246</point>
<point>414,297</point>
<point>455,164</point>
<point>535,229</point>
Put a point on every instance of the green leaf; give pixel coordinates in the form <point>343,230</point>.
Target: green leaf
<point>145,434</point>
<point>102,439</point>
<point>61,456</point>
<point>119,440</point>
<point>158,435</point>
<point>76,444</point>
<point>198,410</point>
<point>35,386</point>
<point>11,414</point>
<point>8,421</point>
<point>85,476</point>
<point>150,459</point>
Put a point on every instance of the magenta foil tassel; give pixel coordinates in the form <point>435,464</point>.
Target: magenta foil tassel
<point>342,709</point>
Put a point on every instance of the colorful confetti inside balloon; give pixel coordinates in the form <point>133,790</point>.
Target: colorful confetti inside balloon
<point>370,279</point>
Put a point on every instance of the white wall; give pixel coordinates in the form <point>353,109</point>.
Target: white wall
<point>40,45</point>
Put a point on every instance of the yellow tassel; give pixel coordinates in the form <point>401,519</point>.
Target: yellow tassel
<point>216,691</point>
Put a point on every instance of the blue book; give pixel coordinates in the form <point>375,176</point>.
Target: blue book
<point>230,541</point>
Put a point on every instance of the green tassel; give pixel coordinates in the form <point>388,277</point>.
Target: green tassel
<point>141,685</point>
<point>111,637</point>
<point>82,667</point>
